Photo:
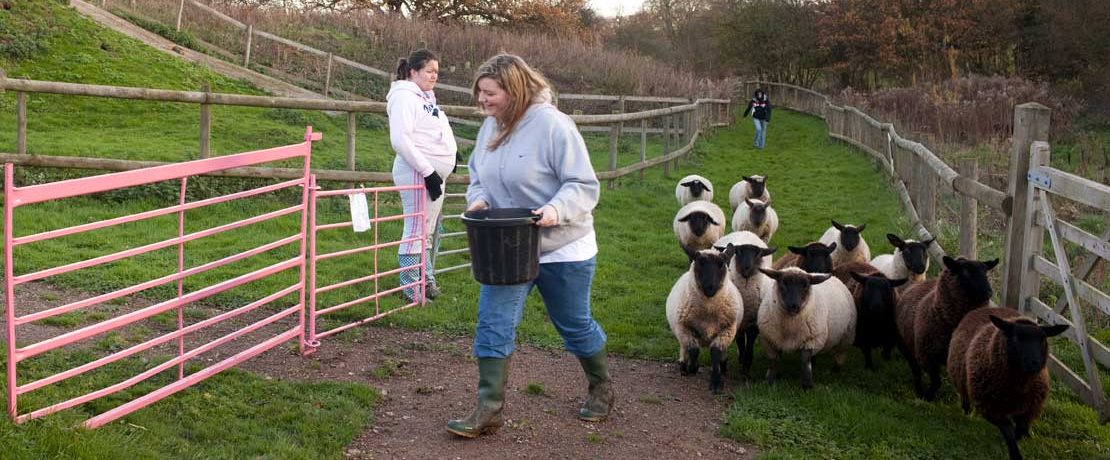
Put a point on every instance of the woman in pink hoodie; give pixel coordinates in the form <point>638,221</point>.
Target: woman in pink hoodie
<point>425,146</point>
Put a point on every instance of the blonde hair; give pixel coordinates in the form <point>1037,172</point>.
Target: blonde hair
<point>521,82</point>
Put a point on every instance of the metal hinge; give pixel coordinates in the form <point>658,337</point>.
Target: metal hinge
<point>1039,178</point>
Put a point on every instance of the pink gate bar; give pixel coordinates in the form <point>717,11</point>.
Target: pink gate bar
<point>314,312</point>
<point>22,196</point>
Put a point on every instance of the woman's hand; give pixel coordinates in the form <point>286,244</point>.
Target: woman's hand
<point>477,206</point>
<point>550,217</point>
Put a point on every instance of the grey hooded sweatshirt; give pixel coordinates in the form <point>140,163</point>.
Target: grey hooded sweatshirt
<point>543,162</point>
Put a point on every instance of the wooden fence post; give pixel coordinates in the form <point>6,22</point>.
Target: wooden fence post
<point>1031,123</point>
<point>205,123</point>
<point>327,76</point>
<point>643,145</point>
<point>180,11</point>
<point>614,145</point>
<point>969,212</point>
<point>620,109</point>
<point>21,123</point>
<point>666,145</point>
<point>1033,243</point>
<point>351,141</point>
<point>247,53</point>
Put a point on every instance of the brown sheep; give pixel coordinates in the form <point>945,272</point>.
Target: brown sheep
<point>813,258</point>
<point>875,297</point>
<point>997,362</point>
<point>929,311</point>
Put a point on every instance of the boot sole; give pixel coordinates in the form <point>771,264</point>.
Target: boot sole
<point>473,435</point>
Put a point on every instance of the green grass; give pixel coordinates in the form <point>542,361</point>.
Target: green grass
<point>232,415</point>
<point>236,414</point>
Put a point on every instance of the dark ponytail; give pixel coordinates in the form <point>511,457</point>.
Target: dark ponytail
<point>416,61</point>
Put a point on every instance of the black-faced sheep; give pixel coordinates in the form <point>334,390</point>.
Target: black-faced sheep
<point>850,244</point>
<point>997,362</point>
<point>757,217</point>
<point>808,314</point>
<point>875,297</point>
<point>693,188</point>
<point>751,254</point>
<point>813,258</point>
<point>698,225</point>
<point>928,312</point>
<point>754,187</point>
<point>910,259</point>
<point>704,309</point>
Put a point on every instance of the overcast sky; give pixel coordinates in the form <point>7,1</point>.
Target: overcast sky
<point>611,8</point>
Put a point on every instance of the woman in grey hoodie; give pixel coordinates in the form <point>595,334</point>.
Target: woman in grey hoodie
<point>528,154</point>
<point>425,146</point>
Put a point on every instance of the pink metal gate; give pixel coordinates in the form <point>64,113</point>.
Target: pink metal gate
<point>376,219</point>
<point>15,197</point>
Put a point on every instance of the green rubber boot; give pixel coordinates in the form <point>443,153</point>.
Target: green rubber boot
<point>600,400</point>
<point>486,418</point>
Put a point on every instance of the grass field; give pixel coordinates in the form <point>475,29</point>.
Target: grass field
<point>856,414</point>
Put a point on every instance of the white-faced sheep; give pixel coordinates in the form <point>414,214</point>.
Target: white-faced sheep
<point>808,314</point>
<point>757,217</point>
<point>698,225</point>
<point>875,296</point>
<point>751,254</point>
<point>850,245</point>
<point>910,259</point>
<point>928,312</point>
<point>693,188</point>
<point>997,362</point>
<point>754,187</point>
<point>812,258</point>
<point>704,309</point>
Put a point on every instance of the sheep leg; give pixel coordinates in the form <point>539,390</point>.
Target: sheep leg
<point>934,383</point>
<point>965,404</point>
<point>1007,428</point>
<point>807,368</point>
<point>886,352</point>
<point>867,363</point>
<point>691,366</point>
<point>915,368</point>
<point>749,350</point>
<point>839,360</point>
<point>690,252</point>
<point>1021,425</point>
<point>716,380</point>
<point>772,365</point>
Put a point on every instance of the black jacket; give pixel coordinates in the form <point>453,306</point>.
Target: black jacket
<point>762,109</point>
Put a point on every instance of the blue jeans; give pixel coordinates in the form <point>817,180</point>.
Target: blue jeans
<point>760,132</point>
<point>565,288</point>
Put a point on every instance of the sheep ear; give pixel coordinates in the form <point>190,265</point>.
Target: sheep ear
<point>951,263</point>
<point>749,201</point>
<point>832,246</point>
<point>861,227</point>
<point>899,282</point>
<point>710,219</point>
<point>773,274</point>
<point>685,218</point>
<point>895,241</point>
<point>1054,330</point>
<point>818,279</point>
<point>747,178</point>
<point>838,225</point>
<point>706,187</point>
<point>765,178</point>
<point>768,251</point>
<point>991,263</point>
<point>686,184</point>
<point>1005,326</point>
<point>858,277</point>
<point>767,203</point>
<point>796,250</point>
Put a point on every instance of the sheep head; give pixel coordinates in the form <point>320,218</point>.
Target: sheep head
<point>1026,342</point>
<point>758,184</point>
<point>815,257</point>
<point>792,287</point>
<point>699,222</point>
<point>970,276</point>
<point>914,253</point>
<point>696,187</point>
<point>878,296</point>
<point>849,234</point>
<point>711,269</point>
<point>758,211</point>
<point>749,256</point>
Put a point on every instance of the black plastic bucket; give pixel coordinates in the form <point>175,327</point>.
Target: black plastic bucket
<point>504,245</point>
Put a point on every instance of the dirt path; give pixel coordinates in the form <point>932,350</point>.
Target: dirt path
<point>428,378</point>
<point>266,83</point>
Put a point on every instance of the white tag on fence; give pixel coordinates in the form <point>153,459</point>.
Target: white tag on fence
<point>360,212</point>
